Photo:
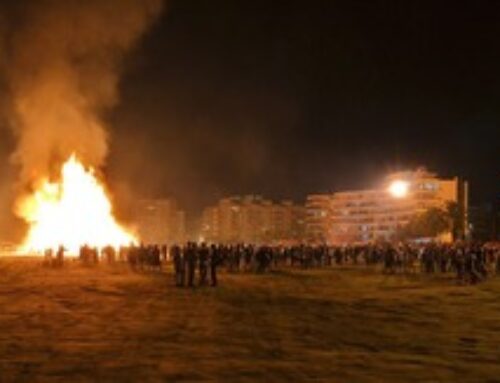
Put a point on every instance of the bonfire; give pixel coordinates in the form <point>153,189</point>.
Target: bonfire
<point>71,212</point>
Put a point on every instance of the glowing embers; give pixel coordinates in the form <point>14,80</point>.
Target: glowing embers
<point>72,212</point>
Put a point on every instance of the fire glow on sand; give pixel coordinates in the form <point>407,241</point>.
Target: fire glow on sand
<point>71,213</point>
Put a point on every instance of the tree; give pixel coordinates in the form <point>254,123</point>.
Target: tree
<point>431,223</point>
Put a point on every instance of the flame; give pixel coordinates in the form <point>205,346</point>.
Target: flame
<point>71,212</point>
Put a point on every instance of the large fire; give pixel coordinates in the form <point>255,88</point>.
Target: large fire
<point>71,213</point>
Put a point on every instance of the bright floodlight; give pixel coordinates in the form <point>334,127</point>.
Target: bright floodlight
<point>399,189</point>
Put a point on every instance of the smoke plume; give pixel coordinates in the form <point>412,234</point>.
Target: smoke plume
<point>62,61</point>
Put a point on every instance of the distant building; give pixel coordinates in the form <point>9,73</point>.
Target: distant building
<point>159,221</point>
<point>288,222</point>
<point>252,219</point>
<point>363,216</point>
<point>318,218</point>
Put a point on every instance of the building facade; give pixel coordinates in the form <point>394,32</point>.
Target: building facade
<point>363,216</point>
<point>252,219</point>
<point>159,221</point>
<point>318,218</point>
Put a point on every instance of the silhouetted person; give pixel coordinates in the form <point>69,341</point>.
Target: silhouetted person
<point>164,253</point>
<point>215,259</point>
<point>178,265</point>
<point>203,264</point>
<point>60,256</point>
<point>191,263</point>
<point>156,257</point>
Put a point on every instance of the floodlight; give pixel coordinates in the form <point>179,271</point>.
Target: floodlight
<point>399,188</point>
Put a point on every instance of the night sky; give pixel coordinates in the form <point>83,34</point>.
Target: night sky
<point>286,98</point>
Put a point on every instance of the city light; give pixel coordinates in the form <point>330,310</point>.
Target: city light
<point>399,188</point>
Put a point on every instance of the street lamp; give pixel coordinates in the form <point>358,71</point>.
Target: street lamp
<point>399,188</point>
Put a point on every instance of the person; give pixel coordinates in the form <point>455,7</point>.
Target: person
<point>60,256</point>
<point>389,259</point>
<point>156,257</point>
<point>248,256</point>
<point>191,263</point>
<point>202,264</point>
<point>260,257</point>
<point>109,254</point>
<point>428,259</point>
<point>178,265</point>
<point>122,253</point>
<point>215,259</point>
<point>338,256</point>
<point>83,255</point>
<point>132,257</point>
<point>95,256</point>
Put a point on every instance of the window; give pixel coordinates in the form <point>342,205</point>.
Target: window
<point>432,186</point>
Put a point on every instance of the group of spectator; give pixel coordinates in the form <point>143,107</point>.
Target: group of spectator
<point>197,264</point>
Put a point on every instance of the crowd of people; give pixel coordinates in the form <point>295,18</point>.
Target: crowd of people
<point>470,262</point>
<point>197,264</point>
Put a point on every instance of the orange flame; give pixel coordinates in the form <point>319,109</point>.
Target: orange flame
<point>72,212</point>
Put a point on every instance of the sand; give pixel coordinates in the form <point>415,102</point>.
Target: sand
<point>332,325</point>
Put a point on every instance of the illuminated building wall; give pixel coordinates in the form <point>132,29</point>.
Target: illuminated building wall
<point>159,221</point>
<point>210,224</point>
<point>363,216</point>
<point>357,216</point>
<point>318,218</point>
<point>252,219</point>
<point>288,222</point>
